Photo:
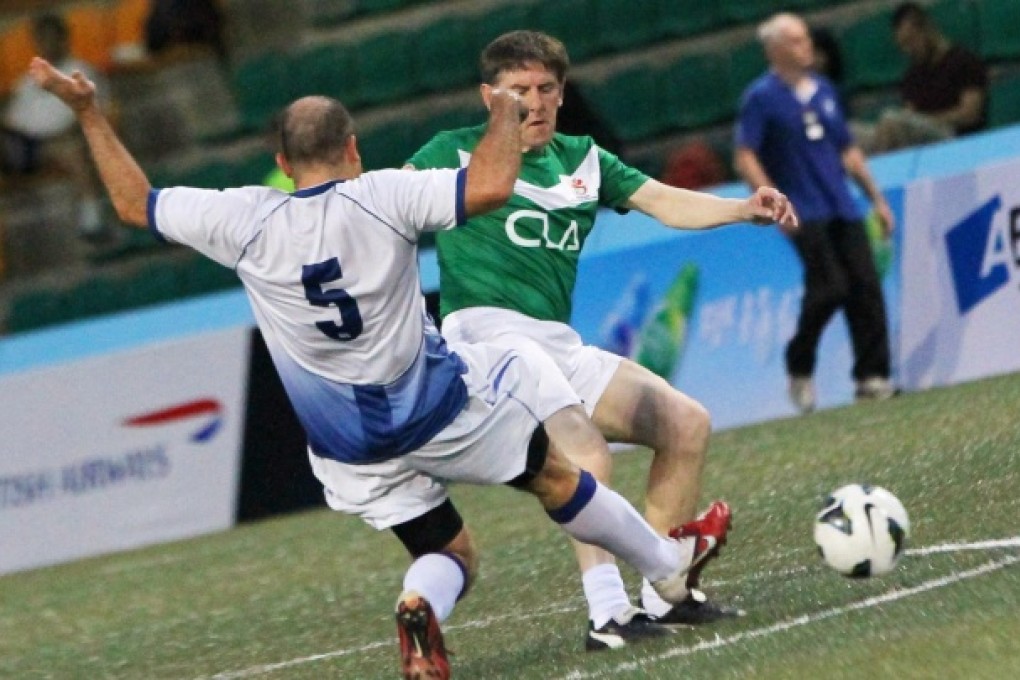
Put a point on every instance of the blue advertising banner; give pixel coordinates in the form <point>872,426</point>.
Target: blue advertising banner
<point>712,311</point>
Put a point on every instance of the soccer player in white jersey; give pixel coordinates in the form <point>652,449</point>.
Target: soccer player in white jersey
<point>507,277</point>
<point>391,412</point>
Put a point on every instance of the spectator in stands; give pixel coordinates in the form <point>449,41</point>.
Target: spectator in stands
<point>694,165</point>
<point>944,90</point>
<point>185,23</point>
<point>39,131</point>
<point>791,134</point>
<point>828,60</point>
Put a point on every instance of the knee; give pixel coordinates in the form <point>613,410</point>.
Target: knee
<point>689,424</point>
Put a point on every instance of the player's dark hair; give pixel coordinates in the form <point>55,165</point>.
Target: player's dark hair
<point>315,134</point>
<point>912,12</point>
<point>515,50</point>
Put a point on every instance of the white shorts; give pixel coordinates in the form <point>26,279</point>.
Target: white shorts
<point>510,391</point>
<point>588,368</point>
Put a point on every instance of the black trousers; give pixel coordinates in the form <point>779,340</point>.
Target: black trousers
<point>839,273</point>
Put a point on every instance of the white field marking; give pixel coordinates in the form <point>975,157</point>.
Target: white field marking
<point>563,608</point>
<point>798,621</point>
<point>480,623</point>
<point>958,547</point>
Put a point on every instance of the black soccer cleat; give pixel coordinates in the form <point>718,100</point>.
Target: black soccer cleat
<point>696,610</point>
<point>634,625</point>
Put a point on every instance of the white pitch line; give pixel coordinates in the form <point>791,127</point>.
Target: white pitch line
<point>718,642</point>
<point>480,623</point>
<point>958,547</point>
<point>798,621</point>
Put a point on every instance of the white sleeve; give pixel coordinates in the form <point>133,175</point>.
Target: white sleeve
<point>415,201</point>
<point>218,224</point>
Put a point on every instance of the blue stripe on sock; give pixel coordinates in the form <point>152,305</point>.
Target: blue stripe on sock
<point>584,492</point>
<point>463,572</point>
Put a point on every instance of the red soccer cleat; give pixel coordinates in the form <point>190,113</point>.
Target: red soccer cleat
<point>709,530</point>
<point>422,652</point>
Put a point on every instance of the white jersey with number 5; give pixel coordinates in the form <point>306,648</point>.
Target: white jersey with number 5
<point>332,275</point>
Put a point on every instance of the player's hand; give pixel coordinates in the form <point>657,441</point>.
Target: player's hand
<point>770,206</point>
<point>77,91</point>
<point>509,98</point>
<point>885,216</point>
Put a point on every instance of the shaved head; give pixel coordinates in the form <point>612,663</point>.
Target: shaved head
<point>787,43</point>
<point>314,130</point>
<point>776,28</point>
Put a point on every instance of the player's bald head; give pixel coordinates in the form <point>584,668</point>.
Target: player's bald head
<point>778,27</point>
<point>314,130</point>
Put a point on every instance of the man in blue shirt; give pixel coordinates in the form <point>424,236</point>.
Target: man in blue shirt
<point>791,134</point>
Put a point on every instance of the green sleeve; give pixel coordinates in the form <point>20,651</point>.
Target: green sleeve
<point>619,180</point>
<point>438,152</point>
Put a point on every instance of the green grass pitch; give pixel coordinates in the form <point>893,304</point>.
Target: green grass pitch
<point>311,595</point>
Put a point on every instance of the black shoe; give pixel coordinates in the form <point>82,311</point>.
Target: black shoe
<point>697,610</point>
<point>633,625</point>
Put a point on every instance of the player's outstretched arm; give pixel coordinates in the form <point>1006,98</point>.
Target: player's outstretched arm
<point>124,180</point>
<point>685,209</point>
<point>496,160</point>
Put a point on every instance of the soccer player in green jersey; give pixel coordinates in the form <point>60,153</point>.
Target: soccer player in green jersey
<point>508,277</point>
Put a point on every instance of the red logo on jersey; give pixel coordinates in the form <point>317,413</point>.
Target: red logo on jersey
<point>579,186</point>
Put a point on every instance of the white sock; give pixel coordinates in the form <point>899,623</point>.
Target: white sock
<point>606,595</point>
<point>600,516</point>
<point>651,602</point>
<point>439,578</point>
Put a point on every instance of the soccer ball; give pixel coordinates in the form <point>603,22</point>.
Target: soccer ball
<point>861,530</point>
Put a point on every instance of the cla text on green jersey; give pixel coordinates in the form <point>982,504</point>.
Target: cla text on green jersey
<point>524,255</point>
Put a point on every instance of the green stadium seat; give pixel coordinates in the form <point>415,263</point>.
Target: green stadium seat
<point>692,92</point>
<point>958,20</point>
<point>212,175</point>
<point>158,282</point>
<point>326,13</point>
<point>571,22</point>
<point>380,6</point>
<point>97,296</point>
<point>628,101</point>
<point>251,169</point>
<point>746,63</point>
<point>626,24</point>
<point>384,67</point>
<point>387,145</point>
<point>34,309</point>
<point>748,11</point>
<point>327,69</point>
<point>999,24</point>
<point>682,18</point>
<point>872,58</point>
<point>200,275</point>
<point>447,119</point>
<point>262,85</point>
<point>445,54</point>
<point>493,23</point>
<point>1004,101</point>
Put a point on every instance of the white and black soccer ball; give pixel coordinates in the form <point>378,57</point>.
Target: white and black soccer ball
<point>861,530</point>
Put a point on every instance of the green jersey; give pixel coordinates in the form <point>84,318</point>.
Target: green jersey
<point>523,256</point>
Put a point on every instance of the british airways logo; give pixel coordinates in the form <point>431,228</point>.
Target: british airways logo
<point>208,413</point>
<point>140,464</point>
<point>981,256</point>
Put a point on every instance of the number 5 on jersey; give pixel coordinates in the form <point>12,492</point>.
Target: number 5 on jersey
<point>313,276</point>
